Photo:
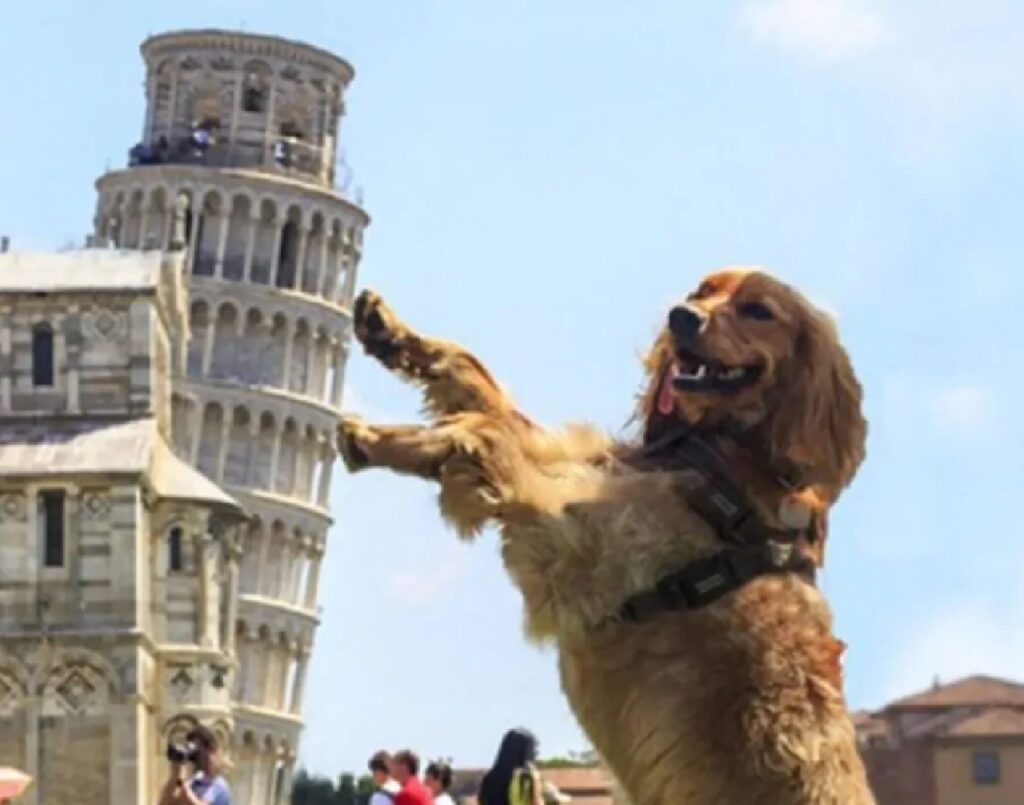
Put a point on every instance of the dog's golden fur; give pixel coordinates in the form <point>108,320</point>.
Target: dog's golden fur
<point>737,702</point>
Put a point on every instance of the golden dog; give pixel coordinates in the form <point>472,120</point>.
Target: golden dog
<point>736,701</point>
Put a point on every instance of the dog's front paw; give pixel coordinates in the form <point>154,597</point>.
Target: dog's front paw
<point>377,328</point>
<point>355,438</point>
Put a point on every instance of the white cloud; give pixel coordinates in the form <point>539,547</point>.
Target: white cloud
<point>962,409</point>
<point>432,580</point>
<point>969,638</point>
<point>942,64</point>
<point>822,30</point>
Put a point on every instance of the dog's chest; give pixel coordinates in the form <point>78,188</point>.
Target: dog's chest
<point>670,704</point>
<point>651,703</point>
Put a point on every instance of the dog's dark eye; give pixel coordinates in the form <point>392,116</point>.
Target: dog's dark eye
<point>757,311</point>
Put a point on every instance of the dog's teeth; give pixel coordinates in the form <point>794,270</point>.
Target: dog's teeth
<point>701,371</point>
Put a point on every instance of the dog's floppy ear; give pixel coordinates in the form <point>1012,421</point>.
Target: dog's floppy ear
<point>654,367</point>
<point>816,424</point>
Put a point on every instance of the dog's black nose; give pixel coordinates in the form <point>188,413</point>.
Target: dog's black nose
<point>684,322</point>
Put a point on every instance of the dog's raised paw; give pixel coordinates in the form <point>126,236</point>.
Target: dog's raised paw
<point>365,307</point>
<point>377,328</point>
<point>354,438</point>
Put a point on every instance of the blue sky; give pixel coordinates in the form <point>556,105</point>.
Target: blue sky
<point>544,178</point>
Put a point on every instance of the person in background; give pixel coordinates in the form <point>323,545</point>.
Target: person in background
<point>438,778</point>
<point>387,789</point>
<point>405,766</point>
<point>513,779</point>
<point>206,785</point>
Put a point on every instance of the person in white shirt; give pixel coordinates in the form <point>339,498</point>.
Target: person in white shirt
<point>387,789</point>
<point>438,778</point>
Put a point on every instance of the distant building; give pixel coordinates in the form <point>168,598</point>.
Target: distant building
<point>960,743</point>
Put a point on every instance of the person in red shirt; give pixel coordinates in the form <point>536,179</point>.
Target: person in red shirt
<point>405,765</point>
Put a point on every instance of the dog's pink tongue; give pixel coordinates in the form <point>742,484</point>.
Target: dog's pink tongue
<point>666,399</point>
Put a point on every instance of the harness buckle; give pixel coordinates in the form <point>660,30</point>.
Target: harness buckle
<point>779,553</point>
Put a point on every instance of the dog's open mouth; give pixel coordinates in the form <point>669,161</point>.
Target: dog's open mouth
<point>691,372</point>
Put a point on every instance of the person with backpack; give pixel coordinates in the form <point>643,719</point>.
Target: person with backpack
<point>513,779</point>
<point>387,789</point>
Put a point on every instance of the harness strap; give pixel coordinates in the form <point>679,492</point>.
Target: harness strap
<point>712,493</point>
<point>754,548</point>
<point>706,580</point>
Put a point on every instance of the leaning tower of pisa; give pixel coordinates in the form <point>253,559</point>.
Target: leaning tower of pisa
<point>241,137</point>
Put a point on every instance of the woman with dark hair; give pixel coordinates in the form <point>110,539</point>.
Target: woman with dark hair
<point>513,780</point>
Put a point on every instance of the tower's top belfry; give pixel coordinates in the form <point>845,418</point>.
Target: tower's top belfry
<point>243,100</point>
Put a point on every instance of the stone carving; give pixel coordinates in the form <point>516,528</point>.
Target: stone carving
<point>177,727</point>
<point>189,63</point>
<point>11,694</point>
<point>222,64</point>
<point>291,73</point>
<point>95,504</point>
<point>77,689</point>
<point>104,324</point>
<point>75,686</point>
<point>12,507</point>
<point>218,676</point>
<point>181,683</point>
<point>178,224</point>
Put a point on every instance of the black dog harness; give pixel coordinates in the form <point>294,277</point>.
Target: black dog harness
<point>754,548</point>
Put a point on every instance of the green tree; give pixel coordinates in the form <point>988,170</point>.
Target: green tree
<point>366,787</point>
<point>349,790</point>
<point>307,790</point>
<point>588,757</point>
<point>347,794</point>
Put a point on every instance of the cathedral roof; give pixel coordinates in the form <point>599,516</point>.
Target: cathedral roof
<point>79,270</point>
<point>133,447</point>
<point>175,479</point>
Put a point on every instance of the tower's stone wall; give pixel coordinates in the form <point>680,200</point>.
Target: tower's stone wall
<point>241,138</point>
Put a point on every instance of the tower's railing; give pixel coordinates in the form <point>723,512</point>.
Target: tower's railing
<point>282,155</point>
